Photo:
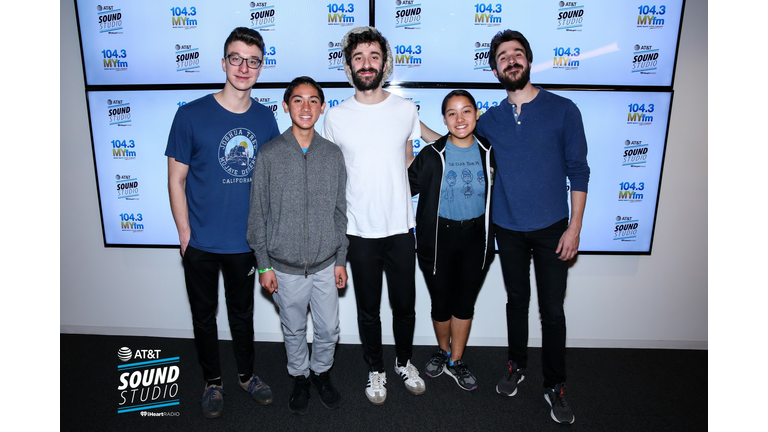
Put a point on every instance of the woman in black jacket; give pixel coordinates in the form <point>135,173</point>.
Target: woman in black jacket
<point>453,178</point>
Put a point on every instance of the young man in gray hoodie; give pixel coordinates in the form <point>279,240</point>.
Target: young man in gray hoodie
<point>297,228</point>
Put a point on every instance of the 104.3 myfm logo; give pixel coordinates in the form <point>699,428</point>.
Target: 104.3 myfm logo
<point>640,114</point>
<point>340,14</point>
<point>184,17</point>
<point>408,55</point>
<point>131,222</point>
<point>650,16</point>
<point>123,149</point>
<point>115,59</point>
<point>488,14</point>
<point>566,58</point>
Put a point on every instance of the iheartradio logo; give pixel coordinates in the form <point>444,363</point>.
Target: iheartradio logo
<point>124,354</point>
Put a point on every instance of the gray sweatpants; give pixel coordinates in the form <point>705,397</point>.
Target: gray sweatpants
<point>294,294</point>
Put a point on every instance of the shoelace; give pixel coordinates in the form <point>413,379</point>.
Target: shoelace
<point>560,397</point>
<point>213,393</point>
<point>512,372</point>
<point>255,384</point>
<point>377,381</point>
<point>411,371</point>
<point>463,370</point>
<point>437,358</point>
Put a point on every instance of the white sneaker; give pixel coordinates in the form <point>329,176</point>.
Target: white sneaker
<point>376,390</point>
<point>410,375</point>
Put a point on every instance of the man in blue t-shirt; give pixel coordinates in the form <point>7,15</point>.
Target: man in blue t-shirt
<point>211,153</point>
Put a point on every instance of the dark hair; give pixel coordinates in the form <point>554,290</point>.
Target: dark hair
<point>246,35</point>
<point>368,36</point>
<point>507,36</point>
<point>299,81</point>
<point>455,93</point>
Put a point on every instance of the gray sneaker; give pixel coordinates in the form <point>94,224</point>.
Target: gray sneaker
<point>434,367</point>
<point>212,402</point>
<point>561,411</point>
<point>259,390</point>
<point>460,372</point>
<point>514,376</point>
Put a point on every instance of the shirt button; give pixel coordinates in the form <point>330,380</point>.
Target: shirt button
<point>518,122</point>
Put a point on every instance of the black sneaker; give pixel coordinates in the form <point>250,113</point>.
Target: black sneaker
<point>212,402</point>
<point>560,412</point>
<point>329,396</point>
<point>514,376</point>
<point>460,372</point>
<point>298,403</point>
<point>434,367</point>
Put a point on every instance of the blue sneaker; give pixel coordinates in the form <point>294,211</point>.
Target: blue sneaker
<point>259,390</point>
<point>212,402</point>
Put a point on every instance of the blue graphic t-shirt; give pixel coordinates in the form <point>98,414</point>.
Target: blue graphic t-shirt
<point>220,149</point>
<point>463,188</point>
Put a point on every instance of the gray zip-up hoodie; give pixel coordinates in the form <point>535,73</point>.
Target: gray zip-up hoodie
<point>297,222</point>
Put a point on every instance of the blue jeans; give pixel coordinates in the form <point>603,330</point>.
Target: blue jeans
<point>516,248</point>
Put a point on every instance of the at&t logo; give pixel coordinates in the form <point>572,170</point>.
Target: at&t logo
<point>570,16</point>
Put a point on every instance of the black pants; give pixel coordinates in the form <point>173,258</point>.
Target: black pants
<point>455,282</point>
<point>395,256</point>
<point>515,251</point>
<point>201,272</point>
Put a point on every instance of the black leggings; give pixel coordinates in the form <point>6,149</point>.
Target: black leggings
<point>456,280</point>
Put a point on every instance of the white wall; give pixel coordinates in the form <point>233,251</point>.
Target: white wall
<point>656,301</point>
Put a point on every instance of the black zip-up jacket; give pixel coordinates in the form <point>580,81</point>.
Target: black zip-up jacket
<point>426,176</point>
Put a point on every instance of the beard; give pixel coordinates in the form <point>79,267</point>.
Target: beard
<point>511,84</point>
<point>364,84</point>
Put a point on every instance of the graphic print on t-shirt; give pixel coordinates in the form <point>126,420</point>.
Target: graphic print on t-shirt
<point>462,197</point>
<point>481,179</point>
<point>467,189</point>
<point>450,180</point>
<point>236,152</point>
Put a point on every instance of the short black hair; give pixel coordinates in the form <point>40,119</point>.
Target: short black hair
<point>246,35</point>
<point>454,93</point>
<point>299,81</point>
<point>507,36</point>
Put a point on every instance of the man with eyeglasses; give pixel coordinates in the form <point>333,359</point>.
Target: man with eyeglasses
<point>211,153</point>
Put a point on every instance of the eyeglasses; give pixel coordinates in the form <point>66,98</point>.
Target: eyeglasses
<point>236,60</point>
